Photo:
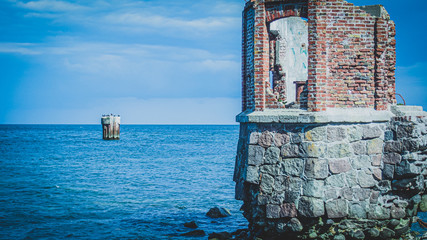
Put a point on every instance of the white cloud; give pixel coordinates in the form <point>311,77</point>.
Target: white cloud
<point>130,70</point>
<point>18,48</point>
<point>106,50</point>
<point>50,6</point>
<point>135,17</point>
<point>179,52</point>
<point>227,8</point>
<point>144,19</point>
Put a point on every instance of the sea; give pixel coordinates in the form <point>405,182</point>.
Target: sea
<point>65,182</point>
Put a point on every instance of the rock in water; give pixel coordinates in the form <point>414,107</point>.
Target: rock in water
<point>217,212</point>
<point>220,236</point>
<point>423,204</point>
<point>191,224</point>
<point>195,233</point>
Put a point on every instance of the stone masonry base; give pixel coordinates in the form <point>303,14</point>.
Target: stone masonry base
<point>337,180</point>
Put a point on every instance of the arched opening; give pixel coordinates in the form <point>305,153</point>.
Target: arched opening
<point>288,38</point>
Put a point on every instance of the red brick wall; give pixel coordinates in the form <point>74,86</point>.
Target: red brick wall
<point>351,55</point>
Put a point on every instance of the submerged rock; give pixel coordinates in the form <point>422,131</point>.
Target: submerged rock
<point>191,224</point>
<point>217,212</point>
<point>195,233</point>
<point>241,234</point>
<point>220,236</point>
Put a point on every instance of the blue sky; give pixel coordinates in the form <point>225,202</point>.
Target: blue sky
<point>158,61</point>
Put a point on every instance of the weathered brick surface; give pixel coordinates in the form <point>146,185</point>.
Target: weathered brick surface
<point>351,54</point>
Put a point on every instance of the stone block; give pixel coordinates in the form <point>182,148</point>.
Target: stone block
<point>378,212</point>
<point>314,188</point>
<point>373,233</point>
<point>404,131</point>
<point>266,139</point>
<point>413,156</point>
<point>374,197</point>
<point>254,137</point>
<point>290,151</point>
<point>262,200</point>
<point>377,173</point>
<point>337,208</point>
<point>357,234</point>
<point>370,132</point>
<point>393,146</point>
<point>281,139</point>
<point>252,174</point>
<point>359,148</point>
<point>336,181</point>
<point>361,194</point>
<point>255,155</point>
<point>392,158</point>
<point>272,155</point>
<point>366,179</point>
<point>272,211</point>
<point>294,189</point>
<point>331,193</point>
<point>401,229</point>
<point>376,160</point>
<point>281,182</point>
<point>354,133</point>
<point>310,149</point>
<point>288,210</point>
<point>388,135</point>
<point>339,237</point>
<point>374,146</point>
<point>267,183</point>
<point>405,169</point>
<point>351,178</point>
<point>359,162</point>
<point>397,212</point>
<point>357,210</point>
<point>272,170</point>
<point>401,203</point>
<point>296,138</point>
<point>311,207</point>
<point>410,145</point>
<point>295,225</point>
<point>292,167</point>
<point>387,233</point>
<point>339,165</point>
<point>277,198</point>
<point>336,134</point>
<point>316,134</point>
<point>316,168</point>
<point>346,193</point>
<point>338,150</point>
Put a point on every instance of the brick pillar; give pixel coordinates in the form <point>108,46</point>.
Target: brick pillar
<point>317,56</point>
<point>244,80</point>
<point>381,84</point>
<point>261,56</point>
<point>391,63</point>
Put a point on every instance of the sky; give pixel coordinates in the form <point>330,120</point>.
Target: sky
<point>151,61</point>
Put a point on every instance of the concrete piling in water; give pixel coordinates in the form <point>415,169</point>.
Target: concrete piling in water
<point>110,127</point>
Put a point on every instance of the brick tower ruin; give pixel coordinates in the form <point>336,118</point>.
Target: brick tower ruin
<point>324,151</point>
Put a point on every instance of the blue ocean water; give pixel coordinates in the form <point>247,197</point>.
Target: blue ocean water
<point>65,182</point>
